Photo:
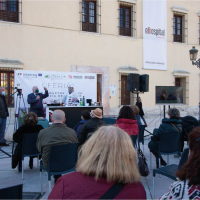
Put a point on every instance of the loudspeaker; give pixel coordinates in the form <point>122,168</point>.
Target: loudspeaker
<point>133,82</point>
<point>144,83</point>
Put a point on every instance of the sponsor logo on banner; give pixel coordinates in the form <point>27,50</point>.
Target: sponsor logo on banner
<point>89,77</point>
<point>77,77</point>
<point>58,76</point>
<point>157,32</point>
<point>26,75</point>
<point>39,74</point>
<point>47,76</point>
<point>19,74</point>
<point>70,76</point>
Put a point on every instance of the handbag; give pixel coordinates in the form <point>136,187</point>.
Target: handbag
<point>113,191</point>
<point>142,164</point>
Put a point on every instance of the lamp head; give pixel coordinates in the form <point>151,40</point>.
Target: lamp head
<point>193,53</point>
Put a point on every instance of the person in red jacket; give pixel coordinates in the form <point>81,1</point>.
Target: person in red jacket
<point>107,157</point>
<point>127,121</point>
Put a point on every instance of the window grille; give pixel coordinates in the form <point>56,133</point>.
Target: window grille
<point>11,10</point>
<point>180,28</point>
<point>90,16</point>
<point>127,19</point>
<point>7,81</point>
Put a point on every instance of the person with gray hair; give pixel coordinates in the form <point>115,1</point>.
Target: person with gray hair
<point>35,100</point>
<point>57,134</point>
<point>172,123</point>
<point>3,116</point>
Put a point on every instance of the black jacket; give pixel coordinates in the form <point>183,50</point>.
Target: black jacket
<point>3,115</point>
<point>188,121</point>
<point>18,138</point>
<point>139,105</point>
<point>167,126</point>
<point>89,127</point>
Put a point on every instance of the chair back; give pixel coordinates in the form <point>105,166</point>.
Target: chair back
<point>109,120</point>
<point>29,144</point>
<point>170,142</point>
<point>62,157</point>
<point>141,133</point>
<point>13,192</point>
<point>184,158</point>
<point>134,139</point>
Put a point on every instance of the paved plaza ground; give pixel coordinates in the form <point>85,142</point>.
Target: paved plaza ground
<point>31,180</point>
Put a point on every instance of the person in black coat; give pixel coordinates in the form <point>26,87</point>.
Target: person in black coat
<point>30,126</point>
<point>141,113</point>
<point>35,100</point>
<point>173,123</point>
<point>91,125</point>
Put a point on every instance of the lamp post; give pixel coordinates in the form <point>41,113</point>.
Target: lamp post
<point>193,57</point>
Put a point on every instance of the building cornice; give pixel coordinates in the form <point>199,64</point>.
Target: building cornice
<point>180,9</point>
<point>127,69</point>
<point>10,63</point>
<point>181,72</point>
<point>129,1</point>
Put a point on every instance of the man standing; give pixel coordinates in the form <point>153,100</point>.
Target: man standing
<point>57,134</point>
<point>71,96</point>
<point>3,116</point>
<point>35,101</point>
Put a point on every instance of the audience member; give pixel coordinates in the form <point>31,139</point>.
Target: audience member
<point>106,158</point>
<point>141,113</point>
<point>136,110</point>
<point>57,134</point>
<point>172,123</point>
<point>127,121</point>
<point>85,116</point>
<point>91,125</point>
<point>188,184</point>
<point>29,126</point>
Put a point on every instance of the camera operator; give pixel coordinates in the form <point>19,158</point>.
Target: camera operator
<point>3,116</point>
<point>35,100</point>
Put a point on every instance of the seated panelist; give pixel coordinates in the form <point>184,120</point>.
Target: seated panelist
<point>35,100</point>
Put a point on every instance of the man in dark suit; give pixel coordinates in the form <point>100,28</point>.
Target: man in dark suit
<point>3,116</point>
<point>35,100</point>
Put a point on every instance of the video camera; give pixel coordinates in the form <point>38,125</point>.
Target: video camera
<point>19,89</point>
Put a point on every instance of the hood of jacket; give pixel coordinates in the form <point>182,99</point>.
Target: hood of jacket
<point>191,120</point>
<point>128,125</point>
<point>173,121</point>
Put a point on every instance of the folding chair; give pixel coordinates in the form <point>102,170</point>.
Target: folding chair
<point>29,148</point>
<point>170,170</point>
<point>13,192</point>
<point>62,160</point>
<point>169,143</point>
<point>110,120</point>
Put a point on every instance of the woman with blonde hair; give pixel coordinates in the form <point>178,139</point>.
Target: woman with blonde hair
<point>106,159</point>
<point>136,110</point>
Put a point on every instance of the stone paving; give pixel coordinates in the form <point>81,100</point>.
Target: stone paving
<point>31,180</point>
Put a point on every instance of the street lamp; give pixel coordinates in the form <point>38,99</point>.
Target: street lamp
<point>193,57</point>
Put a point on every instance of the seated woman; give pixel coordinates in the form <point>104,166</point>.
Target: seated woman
<point>108,157</point>
<point>30,126</point>
<point>85,116</point>
<point>172,123</point>
<point>136,110</point>
<point>127,121</point>
<point>188,184</point>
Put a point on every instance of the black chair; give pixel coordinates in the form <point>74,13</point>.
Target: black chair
<point>110,121</point>
<point>141,135</point>
<point>29,148</point>
<point>62,160</point>
<point>13,192</point>
<point>170,170</point>
<point>169,143</point>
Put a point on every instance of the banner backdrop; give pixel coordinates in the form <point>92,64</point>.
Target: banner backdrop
<point>85,84</point>
<point>155,34</point>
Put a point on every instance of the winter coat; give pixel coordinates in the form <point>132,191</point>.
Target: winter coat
<point>167,126</point>
<point>3,107</point>
<point>138,120</point>
<point>139,105</point>
<point>78,127</point>
<point>128,125</point>
<point>18,138</point>
<point>188,121</point>
<point>89,127</point>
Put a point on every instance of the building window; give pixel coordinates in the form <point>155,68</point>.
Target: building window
<point>10,10</point>
<point>7,81</point>
<point>125,94</point>
<point>180,30</point>
<point>177,82</point>
<point>90,16</point>
<point>127,22</point>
